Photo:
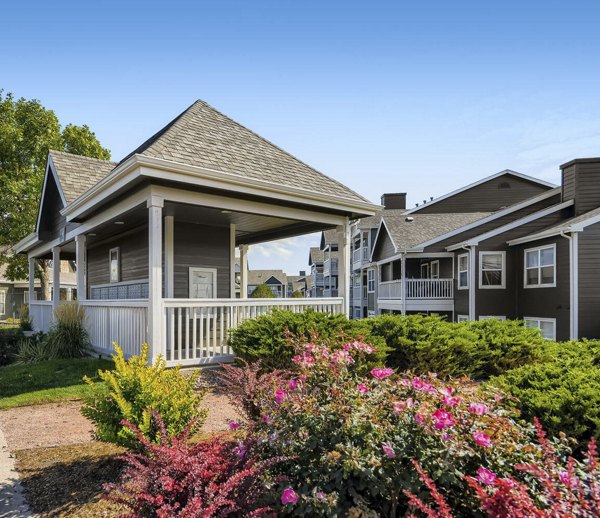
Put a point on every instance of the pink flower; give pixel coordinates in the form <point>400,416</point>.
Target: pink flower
<point>446,391</point>
<point>342,357</point>
<point>388,449</point>
<point>398,406</point>
<point>485,476</point>
<point>293,384</point>
<point>240,450</point>
<point>451,401</point>
<point>566,479</point>
<point>482,439</point>
<point>478,408</point>
<point>319,495</point>
<point>304,359</point>
<point>280,395</point>
<point>289,496</point>
<point>363,389</point>
<point>381,374</point>
<point>310,347</point>
<point>419,384</point>
<point>266,419</point>
<point>442,419</point>
<point>359,346</point>
<point>419,419</point>
<point>234,425</point>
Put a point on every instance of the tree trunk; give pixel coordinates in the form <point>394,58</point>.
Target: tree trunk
<point>43,271</point>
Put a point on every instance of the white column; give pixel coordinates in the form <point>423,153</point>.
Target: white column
<point>155,312</point>
<point>169,257</point>
<point>574,244</point>
<point>81,262</point>
<point>31,279</point>
<point>232,261</point>
<point>472,282</point>
<point>243,271</point>
<point>55,277</point>
<point>343,233</point>
<point>403,277</point>
<point>69,294</point>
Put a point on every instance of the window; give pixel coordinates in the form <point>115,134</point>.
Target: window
<point>540,267</point>
<point>2,302</point>
<point>492,267</point>
<point>462,318</point>
<point>26,297</point>
<point>371,281</point>
<point>546,325</point>
<point>114,265</point>
<point>463,271</point>
<point>357,313</point>
<point>434,270</point>
<point>425,271</point>
<point>492,317</point>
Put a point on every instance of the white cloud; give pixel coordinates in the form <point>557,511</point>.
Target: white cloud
<point>290,255</point>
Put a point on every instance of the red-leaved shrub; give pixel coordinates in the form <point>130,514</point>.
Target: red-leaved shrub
<point>217,477</point>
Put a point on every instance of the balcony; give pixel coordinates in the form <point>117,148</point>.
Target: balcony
<point>318,280</point>
<point>356,295</point>
<point>360,256</point>
<point>421,294</point>
<point>330,267</point>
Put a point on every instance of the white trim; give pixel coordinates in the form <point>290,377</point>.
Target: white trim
<point>55,277</point>
<point>416,255</point>
<point>232,260</point>
<point>169,256</point>
<point>116,249</point>
<point>539,320</point>
<point>575,286</point>
<point>382,223</point>
<point>458,271</point>
<point>472,290</point>
<point>116,284</point>
<point>3,292</point>
<point>502,273</point>
<point>487,219</point>
<point>437,263</point>
<point>479,182</point>
<point>81,262</point>
<point>140,165</point>
<point>502,318</point>
<point>539,267</point>
<point>201,269</point>
<point>462,318</point>
<point>26,242</point>
<point>556,231</point>
<point>156,322</point>
<point>513,224</point>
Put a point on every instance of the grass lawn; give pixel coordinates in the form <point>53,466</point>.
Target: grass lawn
<point>47,382</point>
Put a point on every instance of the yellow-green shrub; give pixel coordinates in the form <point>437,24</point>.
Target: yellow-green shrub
<point>135,388</point>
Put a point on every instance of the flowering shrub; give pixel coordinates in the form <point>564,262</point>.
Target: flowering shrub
<point>555,487</point>
<point>211,478</point>
<point>352,437</point>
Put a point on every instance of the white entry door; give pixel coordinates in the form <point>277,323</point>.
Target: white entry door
<point>203,283</point>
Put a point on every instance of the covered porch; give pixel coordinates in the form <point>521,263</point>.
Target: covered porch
<point>159,267</point>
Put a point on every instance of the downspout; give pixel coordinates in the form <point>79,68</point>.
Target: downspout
<point>573,283</point>
<point>471,250</point>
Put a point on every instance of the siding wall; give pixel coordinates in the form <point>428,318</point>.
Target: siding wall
<point>568,183</point>
<point>587,186</point>
<point>384,247</point>
<point>487,197</point>
<point>589,282</point>
<point>51,221</point>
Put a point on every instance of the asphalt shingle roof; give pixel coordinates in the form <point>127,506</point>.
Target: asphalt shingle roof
<point>256,277</point>
<point>423,227</point>
<point>202,136</point>
<point>316,255</point>
<point>78,173</point>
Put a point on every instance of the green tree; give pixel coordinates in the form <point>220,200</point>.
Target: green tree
<point>28,131</point>
<point>297,294</point>
<point>262,291</point>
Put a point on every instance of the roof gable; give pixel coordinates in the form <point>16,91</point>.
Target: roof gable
<point>203,137</point>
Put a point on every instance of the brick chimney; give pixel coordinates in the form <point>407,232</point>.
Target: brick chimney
<point>581,182</point>
<point>394,200</point>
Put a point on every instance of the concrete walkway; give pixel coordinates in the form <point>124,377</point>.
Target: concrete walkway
<point>12,500</point>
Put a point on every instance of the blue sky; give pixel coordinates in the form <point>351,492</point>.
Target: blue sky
<point>421,97</point>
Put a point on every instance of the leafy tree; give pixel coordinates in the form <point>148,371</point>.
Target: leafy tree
<point>262,291</point>
<point>297,294</point>
<point>28,131</point>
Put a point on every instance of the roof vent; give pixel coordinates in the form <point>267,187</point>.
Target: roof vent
<point>409,219</point>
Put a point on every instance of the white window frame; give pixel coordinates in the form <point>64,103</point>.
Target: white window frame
<point>116,250</point>
<point>193,269</point>
<point>437,265</point>
<point>3,302</point>
<point>502,318</point>
<point>426,266</point>
<point>538,249</point>
<point>538,320</point>
<point>370,280</point>
<point>500,286</point>
<point>26,297</point>
<point>466,286</point>
<point>462,318</point>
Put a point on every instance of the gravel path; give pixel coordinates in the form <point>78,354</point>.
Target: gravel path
<point>12,500</point>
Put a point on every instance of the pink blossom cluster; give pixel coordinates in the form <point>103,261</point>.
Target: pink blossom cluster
<point>359,346</point>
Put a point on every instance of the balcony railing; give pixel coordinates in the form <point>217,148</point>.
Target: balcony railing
<point>356,293</point>
<point>420,289</point>
<point>360,256</point>
<point>330,267</point>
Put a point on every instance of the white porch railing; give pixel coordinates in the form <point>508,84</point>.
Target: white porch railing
<point>41,314</point>
<point>195,331</point>
<point>420,289</point>
<point>120,321</point>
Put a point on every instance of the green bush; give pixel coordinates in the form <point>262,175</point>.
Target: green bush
<point>132,391</point>
<point>562,392</point>
<point>68,337</point>
<point>9,345</point>
<point>25,318</point>
<point>264,338</point>
<point>34,349</point>
<point>475,349</point>
<point>262,291</point>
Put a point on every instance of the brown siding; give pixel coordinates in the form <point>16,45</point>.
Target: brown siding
<point>461,297</point>
<point>486,227</point>
<point>587,189</point>
<point>133,247</point>
<point>490,196</point>
<point>203,247</point>
<point>568,183</point>
<point>384,247</point>
<point>589,282</point>
<point>546,302</point>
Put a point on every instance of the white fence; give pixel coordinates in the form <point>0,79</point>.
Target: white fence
<point>116,321</point>
<point>196,331</point>
<point>41,314</point>
<point>420,289</point>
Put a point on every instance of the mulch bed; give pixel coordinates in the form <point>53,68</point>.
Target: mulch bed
<point>67,480</point>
